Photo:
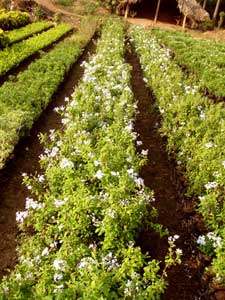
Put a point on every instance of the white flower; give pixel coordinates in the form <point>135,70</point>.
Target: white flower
<point>144,152</point>
<point>179,251</point>
<point>21,215</point>
<point>45,252</point>
<point>18,276</point>
<point>223,163</point>
<point>59,203</point>
<point>99,174</point>
<point>30,203</point>
<point>113,173</point>
<point>58,288</point>
<point>139,181</point>
<point>66,163</point>
<point>209,145</point>
<point>139,143</point>
<point>201,240</point>
<point>54,151</point>
<point>97,163</point>
<point>130,171</point>
<point>58,277</point>
<point>41,178</point>
<point>59,265</point>
<point>210,185</point>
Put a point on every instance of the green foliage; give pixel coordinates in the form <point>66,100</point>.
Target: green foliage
<point>34,88</point>
<point>4,40</point>
<point>13,19</point>
<point>203,58</point>
<point>89,203</point>
<point>221,19</point>
<point>194,127</point>
<point>17,35</point>
<point>12,56</point>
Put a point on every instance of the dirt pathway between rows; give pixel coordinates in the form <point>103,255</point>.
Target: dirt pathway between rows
<point>26,160</point>
<point>175,212</point>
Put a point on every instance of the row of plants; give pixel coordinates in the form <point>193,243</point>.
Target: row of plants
<point>13,19</point>
<point>18,35</point>
<point>205,59</point>
<point>89,203</point>
<point>4,40</point>
<point>23,99</point>
<point>11,57</point>
<point>194,127</point>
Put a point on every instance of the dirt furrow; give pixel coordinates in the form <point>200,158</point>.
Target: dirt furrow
<point>26,160</point>
<point>175,212</point>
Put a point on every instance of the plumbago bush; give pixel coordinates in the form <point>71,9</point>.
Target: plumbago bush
<point>194,127</point>
<point>89,203</point>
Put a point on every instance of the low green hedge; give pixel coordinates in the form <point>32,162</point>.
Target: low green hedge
<point>4,40</point>
<point>13,19</point>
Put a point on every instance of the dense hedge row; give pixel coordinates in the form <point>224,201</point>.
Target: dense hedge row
<point>13,19</point>
<point>21,102</point>
<point>11,57</point>
<point>4,40</point>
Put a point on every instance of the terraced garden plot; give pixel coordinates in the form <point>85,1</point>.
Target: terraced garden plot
<point>14,55</point>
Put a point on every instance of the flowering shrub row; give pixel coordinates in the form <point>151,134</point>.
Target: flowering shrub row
<point>89,204</point>
<point>194,128</point>
<point>204,58</point>
<point>17,35</point>
<point>11,57</point>
<point>23,101</point>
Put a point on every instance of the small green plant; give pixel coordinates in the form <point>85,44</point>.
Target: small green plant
<point>221,19</point>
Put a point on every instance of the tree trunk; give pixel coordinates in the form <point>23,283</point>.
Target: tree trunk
<point>157,11</point>
<point>184,21</point>
<point>216,10</point>
<point>204,4</point>
<point>127,10</point>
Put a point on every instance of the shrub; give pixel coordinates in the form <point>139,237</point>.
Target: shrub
<point>4,40</point>
<point>13,19</point>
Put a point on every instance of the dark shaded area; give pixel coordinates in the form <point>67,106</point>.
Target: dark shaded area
<point>168,11</point>
<point>26,160</point>
<point>175,212</point>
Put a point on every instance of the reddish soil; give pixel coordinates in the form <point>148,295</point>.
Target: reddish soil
<point>175,212</point>
<point>26,160</point>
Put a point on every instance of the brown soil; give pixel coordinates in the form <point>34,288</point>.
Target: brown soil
<point>175,212</point>
<point>26,160</point>
<point>67,16</point>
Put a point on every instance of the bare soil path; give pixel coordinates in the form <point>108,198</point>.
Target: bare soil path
<point>175,211</point>
<point>26,160</point>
